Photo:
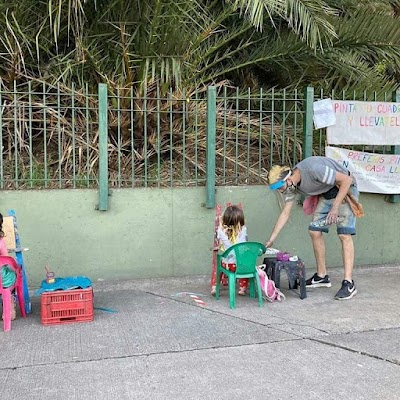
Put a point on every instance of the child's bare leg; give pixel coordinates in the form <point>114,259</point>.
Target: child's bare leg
<point>243,283</point>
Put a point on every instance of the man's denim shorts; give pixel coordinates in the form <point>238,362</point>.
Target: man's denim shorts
<point>345,227</point>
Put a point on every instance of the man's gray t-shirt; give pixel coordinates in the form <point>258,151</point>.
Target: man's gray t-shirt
<point>318,175</point>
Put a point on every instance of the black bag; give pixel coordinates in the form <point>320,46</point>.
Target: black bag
<point>331,193</point>
<point>269,263</point>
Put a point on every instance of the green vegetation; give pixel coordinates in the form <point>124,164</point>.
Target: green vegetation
<point>191,43</point>
<point>175,48</point>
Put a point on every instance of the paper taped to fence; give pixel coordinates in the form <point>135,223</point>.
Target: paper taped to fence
<point>323,114</point>
<point>375,173</point>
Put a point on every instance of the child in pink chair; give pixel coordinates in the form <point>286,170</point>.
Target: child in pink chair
<point>231,230</point>
<point>8,275</point>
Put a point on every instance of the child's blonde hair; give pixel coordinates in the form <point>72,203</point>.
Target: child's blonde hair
<point>233,221</point>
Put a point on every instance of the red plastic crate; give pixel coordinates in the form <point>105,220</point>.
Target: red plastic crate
<point>67,306</point>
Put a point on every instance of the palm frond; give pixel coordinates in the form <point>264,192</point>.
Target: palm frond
<point>308,19</point>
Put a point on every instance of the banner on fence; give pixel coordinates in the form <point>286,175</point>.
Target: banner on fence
<point>363,122</point>
<point>375,173</point>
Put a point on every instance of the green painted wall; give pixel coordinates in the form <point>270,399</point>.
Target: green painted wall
<point>167,232</point>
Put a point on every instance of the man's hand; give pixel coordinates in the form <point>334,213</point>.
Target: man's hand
<point>332,217</point>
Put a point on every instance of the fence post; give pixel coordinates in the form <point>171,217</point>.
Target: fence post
<point>103,147</point>
<point>308,122</point>
<point>210,137</point>
<point>395,198</point>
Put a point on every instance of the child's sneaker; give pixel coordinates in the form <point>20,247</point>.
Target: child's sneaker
<point>347,291</point>
<point>242,292</point>
<point>213,290</point>
<point>315,281</point>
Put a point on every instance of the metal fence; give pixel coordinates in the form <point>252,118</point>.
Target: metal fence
<point>49,137</point>
<point>69,137</point>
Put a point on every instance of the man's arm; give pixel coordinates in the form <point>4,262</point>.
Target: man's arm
<point>280,223</point>
<point>344,182</point>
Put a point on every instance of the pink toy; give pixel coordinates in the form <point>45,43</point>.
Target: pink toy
<point>282,256</point>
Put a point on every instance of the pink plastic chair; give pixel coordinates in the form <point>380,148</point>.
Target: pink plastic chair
<point>6,293</point>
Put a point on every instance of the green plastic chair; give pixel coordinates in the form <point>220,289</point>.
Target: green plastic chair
<point>246,260</point>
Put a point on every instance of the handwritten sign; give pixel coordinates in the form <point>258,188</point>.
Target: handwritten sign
<point>375,173</point>
<point>362,122</point>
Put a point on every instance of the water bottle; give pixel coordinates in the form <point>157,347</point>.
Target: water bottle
<point>324,222</point>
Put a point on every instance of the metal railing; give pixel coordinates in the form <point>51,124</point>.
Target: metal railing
<point>49,135</point>
<point>69,137</point>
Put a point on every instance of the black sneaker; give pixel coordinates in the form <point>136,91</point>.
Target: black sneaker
<point>347,291</point>
<point>316,281</point>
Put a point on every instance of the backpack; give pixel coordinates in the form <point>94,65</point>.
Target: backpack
<point>269,290</point>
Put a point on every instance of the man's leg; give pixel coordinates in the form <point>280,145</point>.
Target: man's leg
<point>318,243</point>
<point>348,256</point>
<point>320,279</point>
<point>348,289</point>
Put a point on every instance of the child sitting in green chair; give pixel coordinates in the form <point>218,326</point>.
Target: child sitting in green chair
<point>7,274</point>
<point>231,230</point>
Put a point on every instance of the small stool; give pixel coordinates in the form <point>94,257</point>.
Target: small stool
<point>295,271</point>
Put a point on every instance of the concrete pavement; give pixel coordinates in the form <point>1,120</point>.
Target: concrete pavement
<point>160,344</point>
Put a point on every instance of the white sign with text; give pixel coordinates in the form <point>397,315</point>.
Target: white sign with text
<point>363,122</point>
<point>375,173</point>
